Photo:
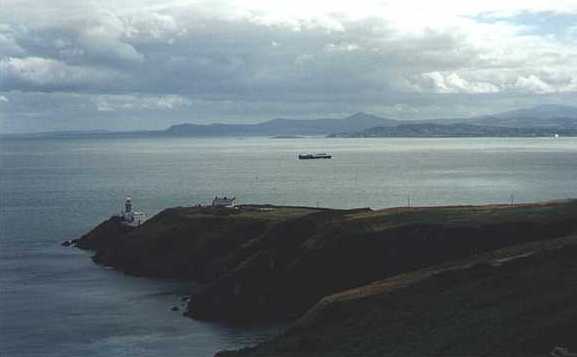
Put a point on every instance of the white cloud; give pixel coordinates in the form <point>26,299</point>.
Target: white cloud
<point>453,83</point>
<point>43,73</point>
<point>151,25</point>
<point>533,84</point>
<point>103,47</point>
<point>137,55</point>
<point>115,103</point>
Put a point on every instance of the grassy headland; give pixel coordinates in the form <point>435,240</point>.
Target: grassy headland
<point>267,262</point>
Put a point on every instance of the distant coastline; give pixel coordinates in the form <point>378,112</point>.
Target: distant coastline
<point>288,137</point>
<point>541,121</point>
<point>455,131</point>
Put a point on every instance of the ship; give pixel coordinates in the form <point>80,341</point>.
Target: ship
<point>314,156</point>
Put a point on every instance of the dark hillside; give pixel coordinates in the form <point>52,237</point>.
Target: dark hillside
<point>519,301</point>
<point>263,262</point>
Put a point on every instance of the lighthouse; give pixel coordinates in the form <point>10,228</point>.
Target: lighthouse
<point>129,216</point>
<point>128,205</point>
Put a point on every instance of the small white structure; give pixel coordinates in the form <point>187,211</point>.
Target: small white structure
<point>224,202</point>
<point>130,216</point>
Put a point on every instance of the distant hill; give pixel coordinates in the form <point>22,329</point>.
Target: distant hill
<point>356,122</point>
<point>543,120</point>
<point>548,119</point>
<point>544,111</point>
<point>550,116</point>
<point>528,122</point>
<point>456,130</point>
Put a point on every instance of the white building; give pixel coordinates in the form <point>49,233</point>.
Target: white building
<point>130,216</point>
<point>224,202</point>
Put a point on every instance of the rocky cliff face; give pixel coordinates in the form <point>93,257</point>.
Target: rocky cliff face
<point>261,262</point>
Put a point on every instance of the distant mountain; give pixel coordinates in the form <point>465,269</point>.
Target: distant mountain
<point>455,130</point>
<point>547,111</point>
<point>543,120</point>
<point>542,116</point>
<point>356,122</point>
<point>528,122</point>
<point>547,118</point>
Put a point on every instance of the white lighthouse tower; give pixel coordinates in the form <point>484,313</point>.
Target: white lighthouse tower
<point>128,206</point>
<point>130,216</point>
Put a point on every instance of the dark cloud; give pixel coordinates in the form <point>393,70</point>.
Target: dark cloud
<point>219,62</point>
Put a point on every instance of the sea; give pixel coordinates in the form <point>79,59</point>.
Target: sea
<point>55,302</point>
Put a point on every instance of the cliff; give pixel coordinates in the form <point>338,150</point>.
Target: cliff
<point>189,243</point>
<point>264,262</point>
<point>518,301</point>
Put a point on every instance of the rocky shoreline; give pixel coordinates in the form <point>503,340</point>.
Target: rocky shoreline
<point>261,262</point>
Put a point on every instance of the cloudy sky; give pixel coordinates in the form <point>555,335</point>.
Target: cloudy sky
<point>136,64</point>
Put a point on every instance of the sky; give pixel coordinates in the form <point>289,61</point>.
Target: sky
<point>148,64</point>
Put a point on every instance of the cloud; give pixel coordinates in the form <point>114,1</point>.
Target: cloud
<point>251,48</point>
<point>108,103</point>
<point>44,74</point>
<point>453,83</point>
<point>533,84</point>
<point>307,55</point>
<point>8,45</point>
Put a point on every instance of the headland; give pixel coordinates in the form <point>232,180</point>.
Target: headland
<point>361,277</point>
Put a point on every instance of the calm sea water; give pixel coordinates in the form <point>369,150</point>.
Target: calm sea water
<point>55,302</point>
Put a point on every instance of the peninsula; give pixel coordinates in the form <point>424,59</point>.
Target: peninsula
<point>360,276</point>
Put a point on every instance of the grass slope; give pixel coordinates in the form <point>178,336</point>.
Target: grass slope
<point>518,301</point>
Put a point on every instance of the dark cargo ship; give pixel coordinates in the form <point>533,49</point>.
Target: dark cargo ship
<point>314,156</point>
